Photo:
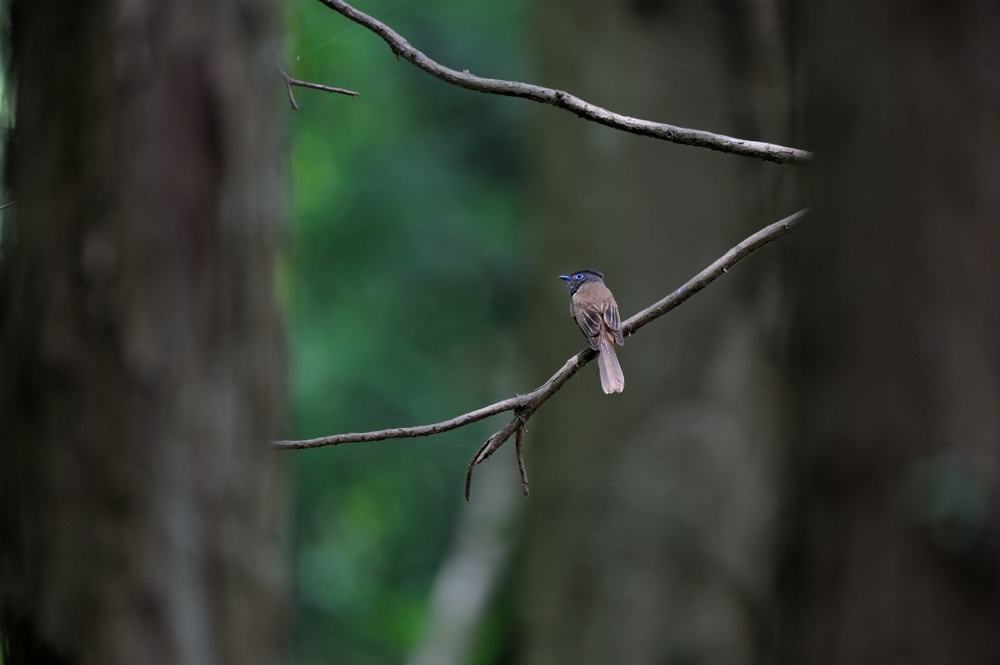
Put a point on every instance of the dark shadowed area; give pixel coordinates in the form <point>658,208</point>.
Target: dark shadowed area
<point>142,515</point>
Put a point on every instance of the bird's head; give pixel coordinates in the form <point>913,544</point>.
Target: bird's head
<point>575,280</point>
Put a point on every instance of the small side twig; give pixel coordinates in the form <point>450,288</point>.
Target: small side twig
<point>7,205</point>
<point>524,406</point>
<point>520,459</point>
<point>290,82</point>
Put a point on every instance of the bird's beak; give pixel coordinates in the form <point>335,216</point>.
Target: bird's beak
<point>566,277</point>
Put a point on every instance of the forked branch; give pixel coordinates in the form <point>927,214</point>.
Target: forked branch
<point>524,406</point>
<point>695,137</point>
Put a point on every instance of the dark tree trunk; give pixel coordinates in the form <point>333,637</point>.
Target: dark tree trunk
<point>651,521</point>
<point>143,369</point>
<point>893,554</point>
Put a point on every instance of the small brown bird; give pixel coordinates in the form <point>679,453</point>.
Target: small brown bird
<point>596,312</point>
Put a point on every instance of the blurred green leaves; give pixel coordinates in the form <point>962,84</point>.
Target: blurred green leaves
<point>403,281</point>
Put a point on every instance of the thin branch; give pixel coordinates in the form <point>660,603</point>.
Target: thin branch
<point>520,459</point>
<point>404,432</point>
<point>289,82</point>
<point>7,205</point>
<point>524,406</point>
<point>767,151</point>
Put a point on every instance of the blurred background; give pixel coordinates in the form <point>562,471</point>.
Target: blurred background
<point>804,467</point>
<point>727,508</point>
<point>430,223</point>
<point>406,284</point>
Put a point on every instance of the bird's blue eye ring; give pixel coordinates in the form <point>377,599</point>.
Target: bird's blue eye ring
<point>579,275</point>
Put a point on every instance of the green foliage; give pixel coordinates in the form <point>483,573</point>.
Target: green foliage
<point>402,280</point>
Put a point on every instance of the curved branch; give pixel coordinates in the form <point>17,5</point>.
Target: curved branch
<point>403,49</point>
<point>524,406</point>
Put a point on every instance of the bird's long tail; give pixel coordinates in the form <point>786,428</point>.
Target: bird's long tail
<point>612,379</point>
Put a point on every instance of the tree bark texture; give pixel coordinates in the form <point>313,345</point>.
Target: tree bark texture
<point>893,550</point>
<point>143,370</point>
<point>651,523</point>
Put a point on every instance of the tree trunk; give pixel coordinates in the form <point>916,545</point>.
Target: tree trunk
<point>651,521</point>
<point>142,371</point>
<point>893,553</point>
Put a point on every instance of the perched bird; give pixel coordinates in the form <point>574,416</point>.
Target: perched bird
<point>596,312</point>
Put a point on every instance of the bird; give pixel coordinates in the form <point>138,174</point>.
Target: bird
<point>596,312</point>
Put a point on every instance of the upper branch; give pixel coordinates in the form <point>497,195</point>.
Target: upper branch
<point>695,137</point>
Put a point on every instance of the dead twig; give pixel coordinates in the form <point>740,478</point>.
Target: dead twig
<point>290,82</point>
<point>520,459</point>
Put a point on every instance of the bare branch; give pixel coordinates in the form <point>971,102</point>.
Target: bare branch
<point>7,205</point>
<point>289,82</point>
<point>524,406</point>
<point>520,459</point>
<point>767,151</point>
<point>404,432</point>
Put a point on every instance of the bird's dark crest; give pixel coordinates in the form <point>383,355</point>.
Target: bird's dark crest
<point>577,279</point>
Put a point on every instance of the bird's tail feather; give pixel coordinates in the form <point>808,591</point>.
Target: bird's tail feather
<point>612,379</point>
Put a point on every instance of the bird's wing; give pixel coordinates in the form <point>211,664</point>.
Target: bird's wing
<point>589,321</point>
<point>613,321</point>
